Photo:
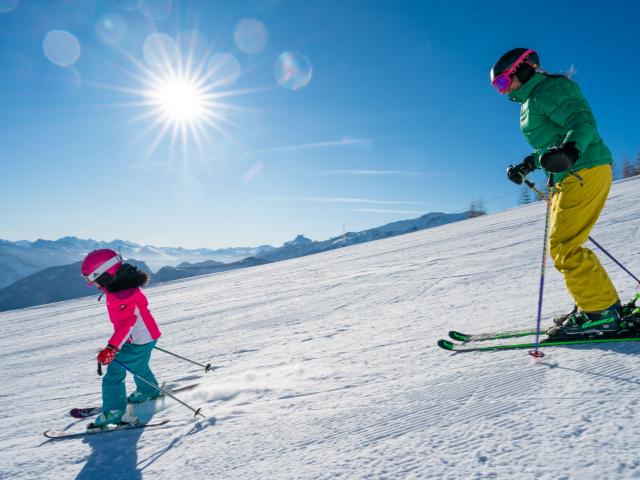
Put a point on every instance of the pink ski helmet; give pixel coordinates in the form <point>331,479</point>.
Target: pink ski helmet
<point>98,262</point>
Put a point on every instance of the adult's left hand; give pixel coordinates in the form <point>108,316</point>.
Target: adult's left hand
<point>560,159</point>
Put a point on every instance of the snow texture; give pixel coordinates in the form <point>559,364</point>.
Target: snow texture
<point>330,368</point>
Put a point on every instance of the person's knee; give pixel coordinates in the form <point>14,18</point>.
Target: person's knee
<point>564,255</point>
<point>114,376</point>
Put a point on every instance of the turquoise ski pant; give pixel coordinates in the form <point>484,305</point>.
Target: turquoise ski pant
<point>136,358</point>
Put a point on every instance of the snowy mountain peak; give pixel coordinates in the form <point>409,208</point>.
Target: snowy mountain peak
<point>300,240</point>
<point>23,258</point>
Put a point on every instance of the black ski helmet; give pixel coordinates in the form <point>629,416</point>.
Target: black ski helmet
<point>524,71</point>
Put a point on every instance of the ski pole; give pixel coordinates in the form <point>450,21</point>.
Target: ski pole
<point>206,367</point>
<point>536,353</point>
<point>612,258</point>
<point>541,194</point>
<point>157,387</point>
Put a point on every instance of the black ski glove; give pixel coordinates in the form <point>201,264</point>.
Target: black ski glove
<point>560,159</point>
<point>516,173</point>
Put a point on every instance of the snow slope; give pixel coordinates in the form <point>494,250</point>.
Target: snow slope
<point>330,368</point>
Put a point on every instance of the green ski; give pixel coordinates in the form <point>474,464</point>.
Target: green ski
<point>453,347</point>
<point>477,337</point>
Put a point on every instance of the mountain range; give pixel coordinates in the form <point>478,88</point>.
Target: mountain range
<point>53,283</point>
<point>23,258</point>
<point>301,245</point>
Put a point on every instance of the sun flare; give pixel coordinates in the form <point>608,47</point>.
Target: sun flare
<point>181,92</point>
<point>179,100</point>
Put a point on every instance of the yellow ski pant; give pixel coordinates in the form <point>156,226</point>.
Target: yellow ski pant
<point>575,208</point>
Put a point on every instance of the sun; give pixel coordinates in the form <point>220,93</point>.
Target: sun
<point>179,100</point>
<point>183,104</point>
<point>181,93</point>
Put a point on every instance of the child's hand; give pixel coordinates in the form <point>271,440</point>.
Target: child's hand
<point>107,354</point>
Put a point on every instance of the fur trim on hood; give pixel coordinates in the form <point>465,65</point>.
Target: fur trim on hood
<point>128,276</point>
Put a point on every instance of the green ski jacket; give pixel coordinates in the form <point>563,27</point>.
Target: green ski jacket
<point>553,111</point>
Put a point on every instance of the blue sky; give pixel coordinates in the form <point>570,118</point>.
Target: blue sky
<point>395,118</point>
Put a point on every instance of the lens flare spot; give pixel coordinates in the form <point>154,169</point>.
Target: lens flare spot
<point>224,69</point>
<point>111,29</point>
<point>250,35</point>
<point>61,48</point>
<point>253,172</point>
<point>160,50</point>
<point>7,6</point>
<point>293,70</point>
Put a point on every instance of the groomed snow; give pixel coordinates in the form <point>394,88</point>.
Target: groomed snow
<point>330,368</point>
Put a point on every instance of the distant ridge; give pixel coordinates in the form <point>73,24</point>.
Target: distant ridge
<point>23,258</point>
<point>301,245</point>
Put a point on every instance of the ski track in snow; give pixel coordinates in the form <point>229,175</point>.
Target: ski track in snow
<point>330,369</point>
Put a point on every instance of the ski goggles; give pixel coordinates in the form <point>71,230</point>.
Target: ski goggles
<point>93,276</point>
<point>503,81</point>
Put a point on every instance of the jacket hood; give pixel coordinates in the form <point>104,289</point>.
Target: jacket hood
<point>128,276</point>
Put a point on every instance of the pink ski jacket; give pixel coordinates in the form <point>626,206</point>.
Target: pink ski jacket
<point>132,321</point>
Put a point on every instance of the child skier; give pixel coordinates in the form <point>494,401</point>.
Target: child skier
<point>558,123</point>
<point>135,334</point>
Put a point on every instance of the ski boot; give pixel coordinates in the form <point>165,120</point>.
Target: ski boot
<point>114,417</point>
<point>589,324</point>
<point>139,397</point>
<point>562,318</point>
<point>631,309</point>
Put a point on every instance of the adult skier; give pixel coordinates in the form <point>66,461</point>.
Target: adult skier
<point>135,334</point>
<point>558,123</point>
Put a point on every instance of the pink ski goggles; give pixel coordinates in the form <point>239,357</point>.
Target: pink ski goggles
<point>93,276</point>
<point>503,81</point>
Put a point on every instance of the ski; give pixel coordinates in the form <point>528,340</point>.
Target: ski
<point>53,434</point>
<point>447,345</point>
<point>92,411</point>
<point>627,312</point>
<point>477,337</point>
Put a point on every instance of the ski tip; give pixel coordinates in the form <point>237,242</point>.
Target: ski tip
<point>446,344</point>
<point>83,412</point>
<point>458,336</point>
